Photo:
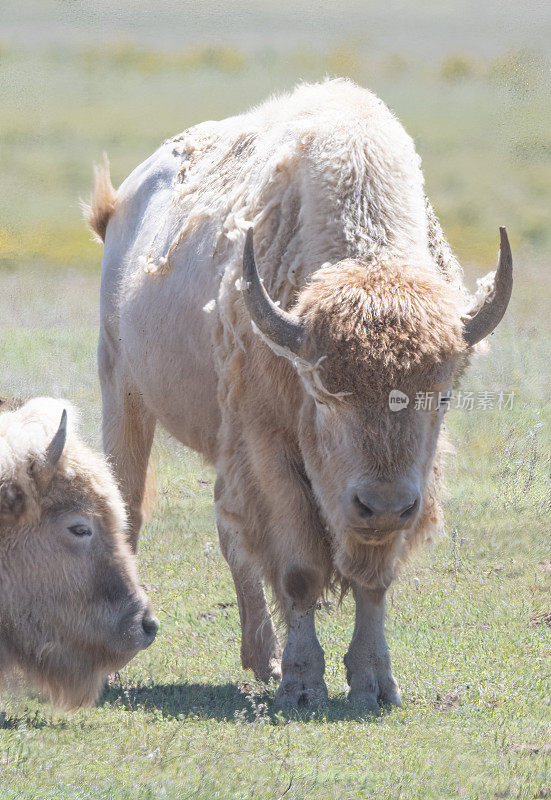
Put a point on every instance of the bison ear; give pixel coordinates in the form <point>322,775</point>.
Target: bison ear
<point>43,471</point>
<point>13,502</point>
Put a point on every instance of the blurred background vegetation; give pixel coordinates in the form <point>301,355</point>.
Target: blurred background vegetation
<point>470,81</point>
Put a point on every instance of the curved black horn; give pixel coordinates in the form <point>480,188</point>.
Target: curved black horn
<point>55,448</point>
<point>44,470</point>
<point>284,329</point>
<point>481,320</point>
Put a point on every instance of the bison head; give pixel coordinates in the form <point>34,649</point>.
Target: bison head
<point>359,336</point>
<point>71,606</point>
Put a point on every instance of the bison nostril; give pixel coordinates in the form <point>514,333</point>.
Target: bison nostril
<point>363,510</point>
<point>150,625</point>
<point>410,510</point>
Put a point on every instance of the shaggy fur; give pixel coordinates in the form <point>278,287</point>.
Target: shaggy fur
<point>70,607</point>
<point>370,329</point>
<point>376,325</point>
<point>345,237</point>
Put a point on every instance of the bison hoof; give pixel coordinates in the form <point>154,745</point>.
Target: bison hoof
<point>293,694</point>
<point>365,702</point>
<point>266,672</point>
<point>373,687</point>
<point>393,698</point>
<point>371,703</point>
<point>265,665</point>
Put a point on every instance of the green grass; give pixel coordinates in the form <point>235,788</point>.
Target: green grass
<point>183,720</point>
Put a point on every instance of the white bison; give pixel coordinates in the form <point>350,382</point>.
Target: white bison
<point>71,607</point>
<point>282,382</point>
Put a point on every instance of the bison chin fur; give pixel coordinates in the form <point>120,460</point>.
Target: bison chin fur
<point>68,683</point>
<point>374,565</point>
<point>65,691</point>
<point>74,693</point>
<point>369,565</point>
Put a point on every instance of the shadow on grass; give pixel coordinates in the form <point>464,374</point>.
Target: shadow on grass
<point>37,720</point>
<point>225,702</point>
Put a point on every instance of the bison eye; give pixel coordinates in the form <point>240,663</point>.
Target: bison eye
<point>80,530</point>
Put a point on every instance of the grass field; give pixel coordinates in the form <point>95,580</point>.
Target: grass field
<point>466,621</point>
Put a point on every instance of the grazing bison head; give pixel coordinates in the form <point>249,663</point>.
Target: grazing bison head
<point>71,607</point>
<point>359,336</point>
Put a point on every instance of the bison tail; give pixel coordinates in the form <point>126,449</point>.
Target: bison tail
<point>103,201</point>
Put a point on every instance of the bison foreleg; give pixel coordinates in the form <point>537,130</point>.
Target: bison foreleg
<point>260,648</point>
<point>367,662</point>
<point>303,663</point>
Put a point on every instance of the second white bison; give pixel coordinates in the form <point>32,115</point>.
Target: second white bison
<point>71,607</point>
<point>282,382</point>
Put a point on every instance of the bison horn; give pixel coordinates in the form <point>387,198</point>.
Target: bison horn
<point>55,448</point>
<point>44,470</point>
<point>281,327</point>
<point>487,311</point>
